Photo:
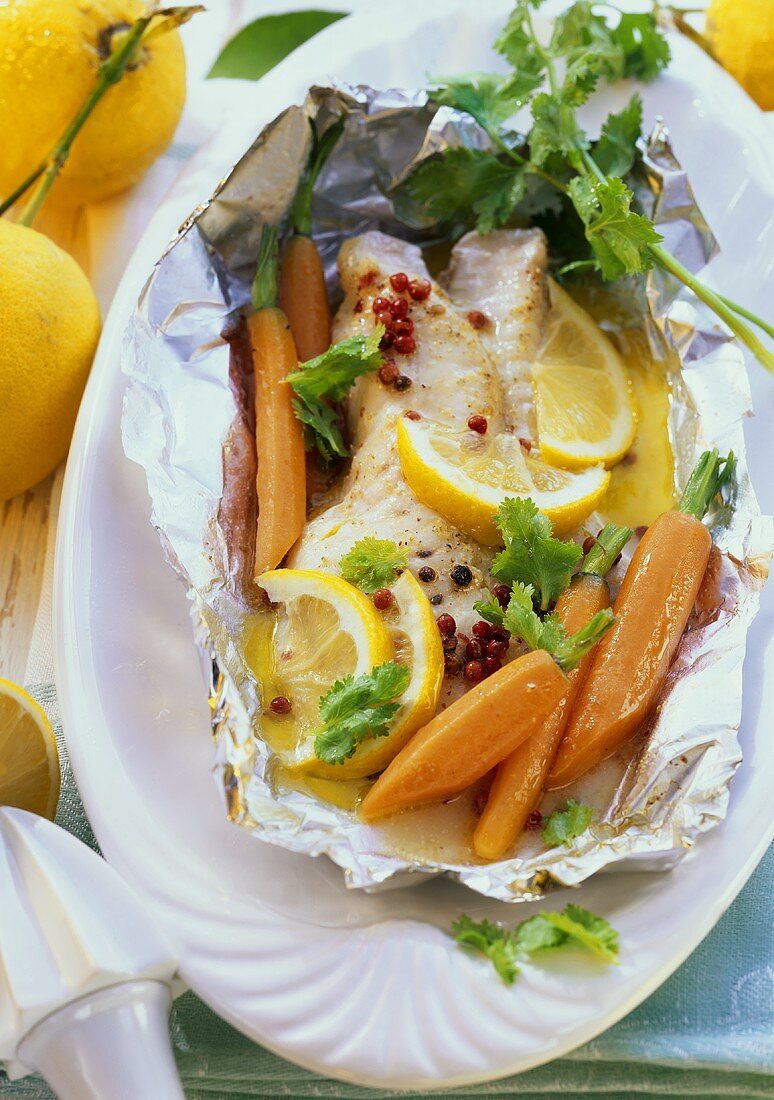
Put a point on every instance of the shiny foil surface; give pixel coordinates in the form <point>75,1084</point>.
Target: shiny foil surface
<point>187,422</point>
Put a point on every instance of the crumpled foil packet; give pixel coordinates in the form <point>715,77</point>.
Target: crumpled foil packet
<point>187,422</point>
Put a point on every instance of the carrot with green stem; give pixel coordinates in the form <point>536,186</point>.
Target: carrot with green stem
<point>480,729</point>
<point>652,610</point>
<point>520,778</point>
<point>302,293</point>
<point>279,434</point>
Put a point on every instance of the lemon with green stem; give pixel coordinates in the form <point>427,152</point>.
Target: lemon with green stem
<point>51,57</point>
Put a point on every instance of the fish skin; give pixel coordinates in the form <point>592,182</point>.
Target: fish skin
<point>503,275</point>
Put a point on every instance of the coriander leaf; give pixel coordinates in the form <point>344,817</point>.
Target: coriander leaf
<point>579,33</point>
<point>538,934</point>
<point>646,50</point>
<point>532,555</point>
<point>327,379</point>
<point>321,427</point>
<point>565,825</point>
<point>587,929</point>
<point>516,44</point>
<point>356,708</point>
<point>620,238</point>
<point>493,941</point>
<point>461,182</point>
<point>580,80</point>
<point>555,130</point>
<point>521,620</point>
<point>490,99</point>
<point>490,610</point>
<point>549,633</point>
<point>373,563</point>
<point>616,150</point>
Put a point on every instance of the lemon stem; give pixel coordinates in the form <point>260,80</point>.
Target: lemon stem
<point>110,72</point>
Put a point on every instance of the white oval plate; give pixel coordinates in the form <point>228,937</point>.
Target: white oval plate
<point>369,988</point>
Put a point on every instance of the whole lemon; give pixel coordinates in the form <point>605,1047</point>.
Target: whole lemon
<point>50,52</point>
<point>49,327</point>
<point>741,34</point>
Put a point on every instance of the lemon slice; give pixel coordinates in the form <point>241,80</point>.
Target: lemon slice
<point>583,398</point>
<point>29,761</point>
<point>464,477</point>
<point>416,643</point>
<point>322,630</point>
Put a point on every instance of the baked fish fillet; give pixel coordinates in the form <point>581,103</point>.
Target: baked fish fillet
<point>452,377</point>
<point>503,275</point>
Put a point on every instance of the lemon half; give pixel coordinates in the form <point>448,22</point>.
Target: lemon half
<point>29,761</point>
<point>583,399</point>
<point>465,477</point>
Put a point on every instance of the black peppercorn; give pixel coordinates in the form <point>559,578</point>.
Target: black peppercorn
<point>436,599</point>
<point>403,382</point>
<point>462,575</point>
<point>427,574</point>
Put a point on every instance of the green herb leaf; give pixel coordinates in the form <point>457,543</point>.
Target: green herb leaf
<point>555,130</point>
<point>261,45</point>
<point>588,930</point>
<point>579,33</point>
<point>516,45</point>
<point>532,555</point>
<point>616,150</point>
<point>490,99</point>
<point>493,941</point>
<point>490,610</point>
<point>508,947</point>
<point>619,238</point>
<point>357,708</point>
<point>549,633</point>
<point>373,563</point>
<point>646,50</point>
<point>462,182</point>
<point>563,826</point>
<point>327,379</point>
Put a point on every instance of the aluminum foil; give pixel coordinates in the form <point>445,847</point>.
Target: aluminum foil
<point>187,422</point>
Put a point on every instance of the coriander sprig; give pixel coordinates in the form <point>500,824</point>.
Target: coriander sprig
<point>507,948</point>
<point>373,563</point>
<point>358,707</point>
<point>532,555</point>
<point>556,172</point>
<point>321,382</point>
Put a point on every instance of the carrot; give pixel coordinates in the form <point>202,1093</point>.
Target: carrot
<point>279,435</point>
<point>303,297</point>
<point>520,777</point>
<point>652,609</point>
<point>302,293</point>
<point>472,735</point>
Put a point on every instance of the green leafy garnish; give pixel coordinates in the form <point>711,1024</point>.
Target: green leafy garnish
<point>577,188</point>
<point>492,940</point>
<point>373,563</point>
<point>261,45</point>
<point>356,708</point>
<point>326,379</point>
<point>532,555</point>
<point>563,826</point>
<point>620,239</point>
<point>616,150</point>
<point>549,633</point>
<point>508,947</point>
<point>451,186</point>
<point>490,609</point>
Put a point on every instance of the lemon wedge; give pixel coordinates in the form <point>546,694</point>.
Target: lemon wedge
<point>416,643</point>
<point>583,399</point>
<point>29,761</point>
<point>321,630</point>
<point>464,477</point>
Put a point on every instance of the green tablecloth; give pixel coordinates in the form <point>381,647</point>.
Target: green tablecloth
<point>707,1032</point>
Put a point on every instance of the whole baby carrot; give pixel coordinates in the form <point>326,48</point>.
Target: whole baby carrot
<point>302,294</point>
<point>630,665</point>
<point>279,435</point>
<point>521,777</point>
<point>485,725</point>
